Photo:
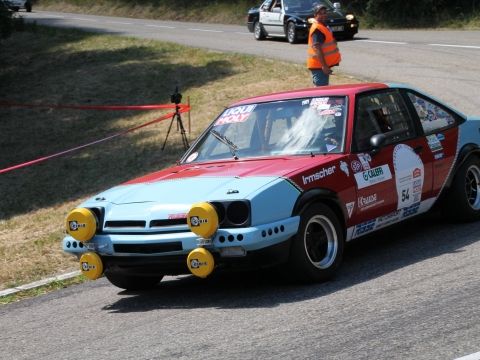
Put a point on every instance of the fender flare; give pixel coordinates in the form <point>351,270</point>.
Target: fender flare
<point>325,196</point>
<point>465,152</point>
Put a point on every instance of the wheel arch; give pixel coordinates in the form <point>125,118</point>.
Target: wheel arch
<point>465,152</point>
<point>325,196</point>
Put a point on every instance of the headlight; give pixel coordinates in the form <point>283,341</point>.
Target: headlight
<point>350,17</point>
<point>81,224</point>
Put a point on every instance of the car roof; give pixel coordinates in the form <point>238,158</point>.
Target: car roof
<point>335,90</point>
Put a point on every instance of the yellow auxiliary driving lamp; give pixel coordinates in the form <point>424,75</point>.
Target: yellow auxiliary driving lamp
<point>202,219</point>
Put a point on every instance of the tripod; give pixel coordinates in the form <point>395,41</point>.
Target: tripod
<point>180,127</point>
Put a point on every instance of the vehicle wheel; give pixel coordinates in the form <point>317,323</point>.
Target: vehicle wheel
<point>292,36</point>
<point>463,198</point>
<point>131,282</point>
<point>318,246</point>
<point>28,7</point>
<point>258,31</point>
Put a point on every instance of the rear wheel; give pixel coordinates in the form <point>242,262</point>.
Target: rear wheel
<point>463,199</point>
<point>292,35</point>
<point>318,247</point>
<point>258,31</point>
<point>131,282</point>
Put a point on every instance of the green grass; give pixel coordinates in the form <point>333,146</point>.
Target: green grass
<point>41,290</point>
<point>55,66</point>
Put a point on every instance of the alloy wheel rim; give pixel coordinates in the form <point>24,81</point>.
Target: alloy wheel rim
<point>472,187</point>
<point>320,242</point>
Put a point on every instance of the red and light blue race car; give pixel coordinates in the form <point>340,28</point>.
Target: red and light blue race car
<point>284,179</point>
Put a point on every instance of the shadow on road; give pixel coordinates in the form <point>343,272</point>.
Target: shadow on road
<point>365,259</point>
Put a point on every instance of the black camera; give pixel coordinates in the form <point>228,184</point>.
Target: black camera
<point>176,97</point>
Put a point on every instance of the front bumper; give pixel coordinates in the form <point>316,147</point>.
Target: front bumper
<point>167,252</point>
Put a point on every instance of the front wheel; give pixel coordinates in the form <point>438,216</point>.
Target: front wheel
<point>292,36</point>
<point>258,31</point>
<point>318,246</point>
<point>463,198</point>
<point>131,282</point>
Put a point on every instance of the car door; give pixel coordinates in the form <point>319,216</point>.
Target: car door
<point>271,17</point>
<point>392,179</point>
<point>440,128</point>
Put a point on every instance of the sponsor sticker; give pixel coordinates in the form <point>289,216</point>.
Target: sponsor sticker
<point>236,114</point>
<point>409,175</point>
<point>364,228</point>
<point>365,160</point>
<point>369,201</point>
<point>324,172</point>
<point>350,206</point>
<point>373,176</point>
<point>434,143</point>
<point>356,166</point>
<point>344,168</point>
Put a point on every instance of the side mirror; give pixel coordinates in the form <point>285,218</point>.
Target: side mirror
<point>336,6</point>
<point>377,141</point>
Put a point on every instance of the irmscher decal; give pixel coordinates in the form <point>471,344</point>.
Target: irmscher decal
<point>318,175</point>
<point>235,114</point>
<point>344,168</point>
<point>409,175</point>
<point>373,176</point>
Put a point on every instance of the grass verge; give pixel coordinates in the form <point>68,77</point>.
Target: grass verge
<point>55,66</point>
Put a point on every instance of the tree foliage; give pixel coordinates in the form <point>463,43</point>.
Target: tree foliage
<point>407,13</point>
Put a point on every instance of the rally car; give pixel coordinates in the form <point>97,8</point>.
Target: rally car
<point>284,180</point>
<point>291,19</point>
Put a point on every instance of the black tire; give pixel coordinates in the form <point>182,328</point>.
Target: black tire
<point>317,249</point>
<point>463,198</point>
<point>292,35</point>
<point>258,31</point>
<point>132,282</point>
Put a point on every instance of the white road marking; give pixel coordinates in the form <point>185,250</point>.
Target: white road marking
<point>459,46</point>
<point>205,30</point>
<point>83,19</point>
<point>118,22</point>
<point>475,356</point>
<point>160,26</point>
<point>384,42</point>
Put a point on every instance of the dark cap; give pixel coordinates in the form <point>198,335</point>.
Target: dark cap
<point>318,7</point>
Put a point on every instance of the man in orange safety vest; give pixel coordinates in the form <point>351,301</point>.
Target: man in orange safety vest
<point>323,53</point>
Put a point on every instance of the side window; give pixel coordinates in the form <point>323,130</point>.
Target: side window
<point>382,112</point>
<point>433,117</point>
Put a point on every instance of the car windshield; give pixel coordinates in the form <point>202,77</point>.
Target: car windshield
<point>290,127</point>
<point>305,5</point>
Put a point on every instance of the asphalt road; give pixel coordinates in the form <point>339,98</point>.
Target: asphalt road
<point>408,292</point>
<point>444,63</point>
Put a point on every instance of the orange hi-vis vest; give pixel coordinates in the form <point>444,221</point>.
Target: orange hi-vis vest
<point>329,48</point>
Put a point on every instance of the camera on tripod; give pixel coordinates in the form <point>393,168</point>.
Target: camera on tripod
<point>176,97</point>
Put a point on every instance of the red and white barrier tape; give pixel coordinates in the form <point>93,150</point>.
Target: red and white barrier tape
<point>181,109</point>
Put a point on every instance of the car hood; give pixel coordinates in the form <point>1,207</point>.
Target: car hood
<point>304,15</point>
<point>190,183</point>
